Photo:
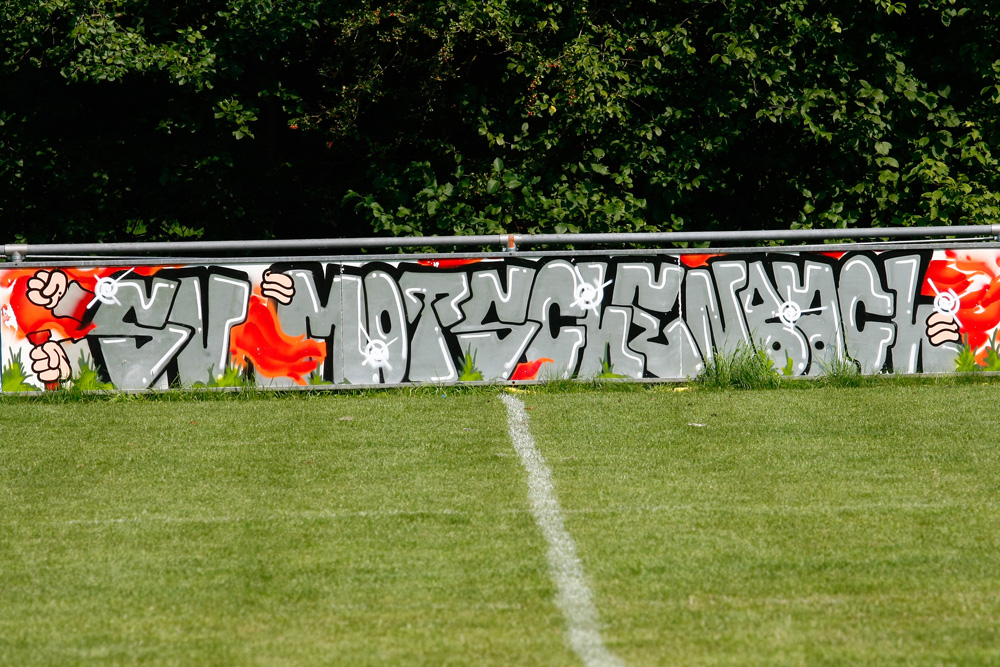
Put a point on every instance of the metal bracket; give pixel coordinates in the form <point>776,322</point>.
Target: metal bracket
<point>14,252</point>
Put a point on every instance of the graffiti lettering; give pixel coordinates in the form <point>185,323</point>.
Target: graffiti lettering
<point>655,315</point>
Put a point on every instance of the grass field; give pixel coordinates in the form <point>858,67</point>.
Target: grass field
<point>795,526</point>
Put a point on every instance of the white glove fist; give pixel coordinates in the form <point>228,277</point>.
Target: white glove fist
<point>45,288</point>
<point>49,362</point>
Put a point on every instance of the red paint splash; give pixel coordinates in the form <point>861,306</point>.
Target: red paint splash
<point>974,276</point>
<point>694,261</point>
<point>446,263</point>
<point>834,255</point>
<point>529,369</point>
<point>260,341</point>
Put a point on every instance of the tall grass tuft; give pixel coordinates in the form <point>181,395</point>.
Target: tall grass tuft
<point>746,367</point>
<point>843,372</point>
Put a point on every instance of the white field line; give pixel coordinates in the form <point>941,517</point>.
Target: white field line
<point>573,596</point>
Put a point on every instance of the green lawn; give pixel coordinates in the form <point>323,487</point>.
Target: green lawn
<point>795,526</point>
<point>799,527</point>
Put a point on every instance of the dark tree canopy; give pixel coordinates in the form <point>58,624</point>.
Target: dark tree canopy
<point>134,119</point>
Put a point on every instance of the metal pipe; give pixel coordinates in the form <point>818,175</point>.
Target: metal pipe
<point>215,247</point>
<point>509,242</point>
<point>761,235</point>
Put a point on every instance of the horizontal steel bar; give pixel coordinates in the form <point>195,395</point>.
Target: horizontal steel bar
<point>752,236</point>
<point>47,261</point>
<point>17,252</point>
<point>230,246</point>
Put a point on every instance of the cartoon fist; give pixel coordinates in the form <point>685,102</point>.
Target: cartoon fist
<point>942,328</point>
<point>278,286</point>
<point>46,288</point>
<point>49,362</point>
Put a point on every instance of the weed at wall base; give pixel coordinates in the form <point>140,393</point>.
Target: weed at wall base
<point>746,367</point>
<point>843,372</point>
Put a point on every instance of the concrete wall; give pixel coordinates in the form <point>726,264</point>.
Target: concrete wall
<point>439,319</point>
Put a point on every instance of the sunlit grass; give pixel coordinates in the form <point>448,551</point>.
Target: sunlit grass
<point>811,524</point>
<point>853,526</point>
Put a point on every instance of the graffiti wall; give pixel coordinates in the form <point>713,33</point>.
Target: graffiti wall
<point>494,318</point>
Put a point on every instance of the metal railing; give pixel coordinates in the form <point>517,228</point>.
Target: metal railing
<point>15,252</point>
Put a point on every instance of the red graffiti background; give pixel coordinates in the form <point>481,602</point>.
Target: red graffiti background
<point>973,277</point>
<point>273,353</point>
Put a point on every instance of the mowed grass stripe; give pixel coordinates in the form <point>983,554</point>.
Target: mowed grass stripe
<point>270,532</point>
<point>828,526</point>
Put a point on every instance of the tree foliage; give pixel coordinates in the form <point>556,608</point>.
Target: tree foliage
<point>136,119</point>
